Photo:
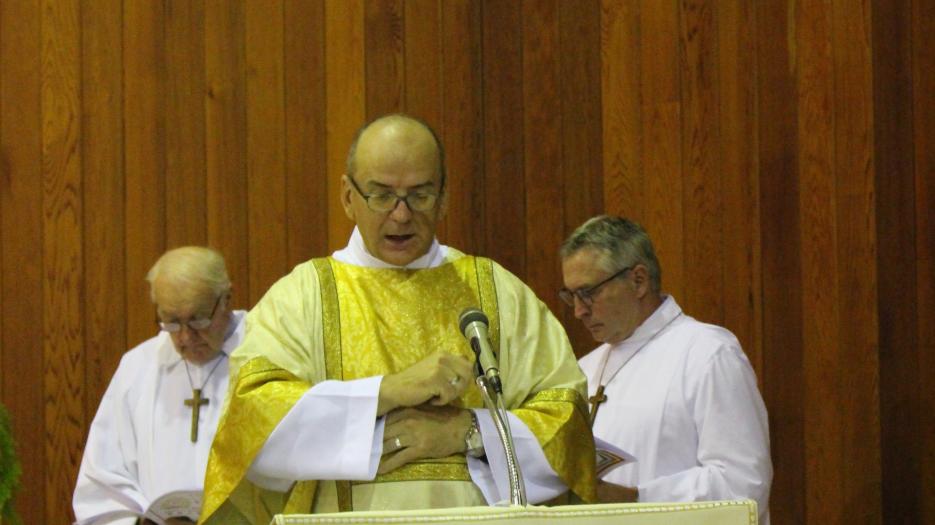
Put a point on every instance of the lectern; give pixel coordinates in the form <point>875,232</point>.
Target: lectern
<point>701,513</point>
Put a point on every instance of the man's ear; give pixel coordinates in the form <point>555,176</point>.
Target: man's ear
<point>346,190</point>
<point>641,280</point>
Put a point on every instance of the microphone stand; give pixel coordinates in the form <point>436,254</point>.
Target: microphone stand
<point>501,421</point>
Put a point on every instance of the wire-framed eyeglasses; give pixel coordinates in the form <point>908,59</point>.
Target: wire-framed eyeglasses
<point>586,295</point>
<point>198,323</point>
<point>386,201</point>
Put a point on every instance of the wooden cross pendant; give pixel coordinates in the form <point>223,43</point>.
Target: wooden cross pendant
<point>195,403</point>
<point>595,401</point>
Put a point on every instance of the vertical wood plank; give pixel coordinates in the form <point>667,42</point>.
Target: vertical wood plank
<point>701,197</point>
<point>266,173</point>
<point>63,384</point>
<point>422,59</point>
<point>624,180</point>
<point>782,374</point>
<point>144,157</point>
<point>543,147</point>
<point>461,125</point>
<point>503,144</point>
<point>307,193</point>
<point>186,217</point>
<point>344,102</point>
<point>103,194</point>
<point>662,138</point>
<point>582,141</point>
<point>383,51</point>
<point>503,136</point>
<point>923,114</point>
<point>856,259</point>
<point>226,142</point>
<point>896,261</point>
<point>740,246</point>
<point>422,68</point>
<point>21,239</point>
<point>824,423</point>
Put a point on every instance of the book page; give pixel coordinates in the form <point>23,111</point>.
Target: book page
<point>610,457</point>
<point>176,504</point>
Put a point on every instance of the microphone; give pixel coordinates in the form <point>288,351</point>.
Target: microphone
<point>474,324</point>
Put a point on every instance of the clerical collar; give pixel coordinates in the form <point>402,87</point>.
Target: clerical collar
<point>662,316</point>
<point>356,253</point>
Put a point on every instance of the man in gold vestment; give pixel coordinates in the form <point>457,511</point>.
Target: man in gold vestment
<point>353,387</point>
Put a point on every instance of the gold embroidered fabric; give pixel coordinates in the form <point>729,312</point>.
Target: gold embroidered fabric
<point>329,319</point>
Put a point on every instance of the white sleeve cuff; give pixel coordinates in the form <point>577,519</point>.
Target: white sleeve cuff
<point>491,477</point>
<point>332,432</point>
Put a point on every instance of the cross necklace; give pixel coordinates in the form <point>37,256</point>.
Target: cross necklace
<point>197,401</point>
<point>599,396</point>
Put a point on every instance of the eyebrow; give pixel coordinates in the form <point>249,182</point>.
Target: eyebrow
<point>380,186</point>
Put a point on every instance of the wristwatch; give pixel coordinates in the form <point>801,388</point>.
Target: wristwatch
<point>473,443</point>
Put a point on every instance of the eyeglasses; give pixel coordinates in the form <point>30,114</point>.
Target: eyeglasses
<point>586,295</point>
<point>198,323</point>
<point>386,201</point>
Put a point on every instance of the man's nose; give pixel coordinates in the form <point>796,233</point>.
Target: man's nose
<point>401,213</point>
<point>186,334</point>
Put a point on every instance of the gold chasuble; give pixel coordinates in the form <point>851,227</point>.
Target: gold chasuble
<point>332,320</point>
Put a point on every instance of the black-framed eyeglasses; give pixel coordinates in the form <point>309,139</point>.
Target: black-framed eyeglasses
<point>198,323</point>
<point>386,201</point>
<point>586,295</point>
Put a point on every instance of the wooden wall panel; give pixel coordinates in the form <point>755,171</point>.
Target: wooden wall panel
<point>542,146</point>
<point>702,197</point>
<point>740,243</point>
<point>661,110</point>
<point>306,168</point>
<point>819,259</point>
<point>625,182</point>
<point>782,376</point>
<point>226,140</point>
<point>778,152</point>
<point>63,369</point>
<point>385,76</point>
<point>345,109</point>
<point>854,166</point>
<point>580,27</point>
<point>923,137</point>
<point>422,60</point>
<point>896,262</point>
<point>103,179</point>
<point>461,124</point>
<point>144,157</point>
<point>266,181</point>
<point>185,175</point>
<point>21,220</point>
<point>504,180</point>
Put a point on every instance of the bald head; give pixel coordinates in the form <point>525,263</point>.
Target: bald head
<point>188,275</point>
<point>394,140</point>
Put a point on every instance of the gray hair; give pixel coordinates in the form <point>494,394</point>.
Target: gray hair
<point>192,268</point>
<point>351,163</point>
<point>621,243</point>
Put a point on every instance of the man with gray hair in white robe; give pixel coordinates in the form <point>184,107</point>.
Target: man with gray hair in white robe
<point>154,427</point>
<point>678,394</point>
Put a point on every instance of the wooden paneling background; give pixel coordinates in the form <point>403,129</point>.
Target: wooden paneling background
<point>780,153</point>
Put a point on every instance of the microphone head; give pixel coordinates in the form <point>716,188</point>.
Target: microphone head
<point>471,315</point>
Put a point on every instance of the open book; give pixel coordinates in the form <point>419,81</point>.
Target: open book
<point>175,504</point>
<point>609,457</point>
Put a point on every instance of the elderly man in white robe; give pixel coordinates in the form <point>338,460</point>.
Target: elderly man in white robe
<point>678,394</point>
<point>155,424</point>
